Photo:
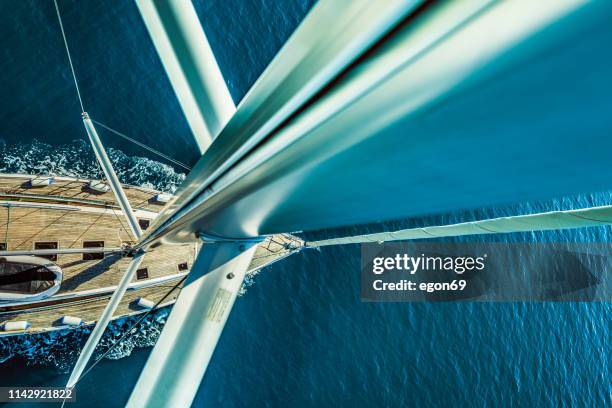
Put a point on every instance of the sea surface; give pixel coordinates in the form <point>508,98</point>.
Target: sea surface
<point>299,336</point>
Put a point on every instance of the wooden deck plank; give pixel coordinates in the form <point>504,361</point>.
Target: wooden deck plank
<point>70,229</point>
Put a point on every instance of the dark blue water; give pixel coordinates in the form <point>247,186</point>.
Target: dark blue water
<point>122,81</point>
<point>300,335</point>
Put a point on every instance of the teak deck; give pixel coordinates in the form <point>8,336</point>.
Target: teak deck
<point>68,214</point>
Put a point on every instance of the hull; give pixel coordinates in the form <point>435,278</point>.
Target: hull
<point>68,214</point>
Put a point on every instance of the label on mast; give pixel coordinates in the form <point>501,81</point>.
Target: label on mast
<point>218,307</point>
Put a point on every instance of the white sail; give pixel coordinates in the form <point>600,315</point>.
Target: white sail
<point>310,60</point>
<point>553,220</point>
<point>373,146</point>
<point>345,127</point>
<point>338,131</point>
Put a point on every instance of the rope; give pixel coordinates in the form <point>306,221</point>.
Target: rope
<point>76,84</point>
<point>144,146</point>
<point>129,234</point>
<point>103,179</point>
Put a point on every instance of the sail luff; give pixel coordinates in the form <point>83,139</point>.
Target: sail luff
<point>330,167</point>
<point>308,62</point>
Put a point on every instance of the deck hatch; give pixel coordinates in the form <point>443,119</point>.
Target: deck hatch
<point>47,245</point>
<point>93,256</point>
<point>144,223</point>
<point>142,273</point>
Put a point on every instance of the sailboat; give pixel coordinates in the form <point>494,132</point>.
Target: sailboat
<point>371,111</point>
<point>66,244</point>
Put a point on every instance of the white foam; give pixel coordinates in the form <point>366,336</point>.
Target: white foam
<point>77,159</point>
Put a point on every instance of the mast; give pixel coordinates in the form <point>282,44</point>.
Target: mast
<point>207,104</point>
<point>182,353</point>
<point>113,303</point>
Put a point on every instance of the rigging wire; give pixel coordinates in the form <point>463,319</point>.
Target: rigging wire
<point>104,179</point>
<point>76,84</point>
<point>127,332</point>
<point>132,327</point>
<point>144,146</point>
<point>129,234</point>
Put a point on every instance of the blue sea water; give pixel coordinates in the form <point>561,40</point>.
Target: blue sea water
<point>299,336</point>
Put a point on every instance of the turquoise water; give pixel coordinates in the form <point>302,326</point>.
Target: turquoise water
<point>300,336</point>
